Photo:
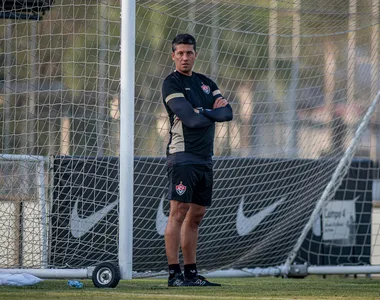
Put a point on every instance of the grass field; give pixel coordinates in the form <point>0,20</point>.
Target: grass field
<point>236,288</point>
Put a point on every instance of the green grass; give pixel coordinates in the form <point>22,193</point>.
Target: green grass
<point>232,289</point>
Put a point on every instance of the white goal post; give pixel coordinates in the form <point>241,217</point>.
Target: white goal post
<point>84,135</point>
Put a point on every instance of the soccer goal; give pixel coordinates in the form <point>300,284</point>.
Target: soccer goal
<point>84,135</point>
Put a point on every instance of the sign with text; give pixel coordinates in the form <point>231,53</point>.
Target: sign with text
<point>339,221</point>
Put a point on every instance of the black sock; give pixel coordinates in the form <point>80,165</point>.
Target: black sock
<point>191,270</point>
<point>174,269</point>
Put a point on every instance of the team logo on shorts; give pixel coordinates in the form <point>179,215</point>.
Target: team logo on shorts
<point>205,88</point>
<point>181,189</point>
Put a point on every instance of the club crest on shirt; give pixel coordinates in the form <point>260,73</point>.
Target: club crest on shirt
<point>180,189</point>
<point>205,88</point>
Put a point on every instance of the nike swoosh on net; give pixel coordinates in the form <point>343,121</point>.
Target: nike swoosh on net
<point>161,218</point>
<point>80,226</point>
<point>246,225</point>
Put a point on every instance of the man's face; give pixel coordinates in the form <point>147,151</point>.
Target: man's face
<point>184,57</point>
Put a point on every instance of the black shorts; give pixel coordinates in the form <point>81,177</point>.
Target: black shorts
<point>190,183</point>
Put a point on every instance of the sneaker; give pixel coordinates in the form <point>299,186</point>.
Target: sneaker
<point>199,280</point>
<point>179,280</point>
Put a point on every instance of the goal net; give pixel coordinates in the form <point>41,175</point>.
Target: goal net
<point>295,172</point>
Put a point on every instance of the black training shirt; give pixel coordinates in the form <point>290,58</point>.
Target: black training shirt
<point>191,133</point>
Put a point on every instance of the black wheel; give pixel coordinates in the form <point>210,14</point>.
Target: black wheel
<point>106,275</point>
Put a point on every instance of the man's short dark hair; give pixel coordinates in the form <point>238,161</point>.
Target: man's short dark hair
<point>184,38</point>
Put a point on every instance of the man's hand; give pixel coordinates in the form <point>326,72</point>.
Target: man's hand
<point>220,102</point>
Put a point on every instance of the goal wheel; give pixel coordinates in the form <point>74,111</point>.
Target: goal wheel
<point>106,275</point>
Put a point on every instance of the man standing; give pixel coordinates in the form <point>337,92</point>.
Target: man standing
<point>194,103</point>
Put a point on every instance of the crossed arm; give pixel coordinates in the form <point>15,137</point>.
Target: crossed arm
<point>221,111</point>
<point>186,113</point>
<point>197,118</point>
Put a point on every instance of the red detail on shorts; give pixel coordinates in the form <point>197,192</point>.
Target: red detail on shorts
<point>181,189</point>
